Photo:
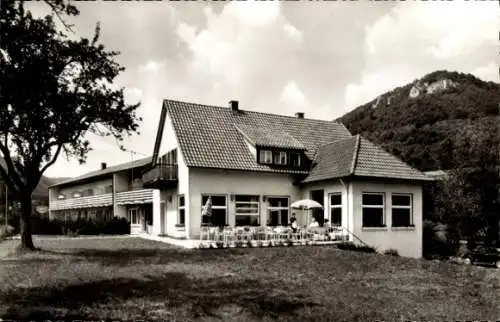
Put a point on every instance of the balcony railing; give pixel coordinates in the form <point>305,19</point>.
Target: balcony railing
<point>160,175</point>
<point>82,202</point>
<point>134,197</point>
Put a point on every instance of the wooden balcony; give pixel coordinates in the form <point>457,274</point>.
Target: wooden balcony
<point>104,200</point>
<point>134,197</point>
<point>161,176</point>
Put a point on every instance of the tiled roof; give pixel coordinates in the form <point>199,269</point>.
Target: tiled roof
<point>334,160</point>
<point>269,137</point>
<point>373,161</point>
<point>356,156</point>
<point>109,170</point>
<point>209,137</point>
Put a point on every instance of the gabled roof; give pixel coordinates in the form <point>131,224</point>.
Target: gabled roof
<point>212,136</point>
<point>356,156</point>
<point>108,171</point>
<point>334,160</point>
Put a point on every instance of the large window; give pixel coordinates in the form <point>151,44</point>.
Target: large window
<point>133,216</point>
<point>336,209</point>
<point>280,158</point>
<point>219,209</point>
<point>278,208</point>
<point>401,206</point>
<point>266,156</point>
<point>373,210</point>
<point>181,213</point>
<point>247,210</point>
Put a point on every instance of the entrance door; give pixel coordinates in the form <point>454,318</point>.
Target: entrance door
<point>318,213</point>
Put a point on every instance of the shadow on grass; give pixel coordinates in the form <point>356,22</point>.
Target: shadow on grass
<point>175,291</point>
<point>157,256</point>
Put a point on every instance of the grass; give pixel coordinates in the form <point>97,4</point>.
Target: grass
<point>132,278</point>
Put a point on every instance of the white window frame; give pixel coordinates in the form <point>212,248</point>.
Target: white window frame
<point>335,206</point>
<point>270,208</point>
<point>217,207</point>
<point>363,206</point>
<point>137,217</point>
<point>247,206</point>
<point>280,158</point>
<point>179,208</point>
<point>266,156</point>
<point>409,207</point>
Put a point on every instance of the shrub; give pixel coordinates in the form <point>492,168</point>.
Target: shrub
<point>6,231</point>
<point>437,242</point>
<point>391,252</point>
<point>356,247</point>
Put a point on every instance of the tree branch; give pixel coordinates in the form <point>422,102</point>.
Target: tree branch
<point>51,162</point>
<point>56,11</point>
<point>16,182</point>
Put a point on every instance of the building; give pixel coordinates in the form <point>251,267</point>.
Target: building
<point>110,191</point>
<point>254,165</point>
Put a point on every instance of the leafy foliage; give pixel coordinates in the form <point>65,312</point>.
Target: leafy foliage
<point>54,91</point>
<point>433,131</point>
<point>455,129</point>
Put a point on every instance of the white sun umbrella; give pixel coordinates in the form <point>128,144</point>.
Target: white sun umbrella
<point>207,208</point>
<point>306,204</point>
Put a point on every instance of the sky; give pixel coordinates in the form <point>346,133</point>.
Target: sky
<point>320,58</point>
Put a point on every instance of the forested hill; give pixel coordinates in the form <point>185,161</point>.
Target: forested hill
<point>441,121</point>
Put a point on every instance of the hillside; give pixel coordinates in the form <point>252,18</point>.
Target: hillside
<point>41,191</point>
<point>441,121</point>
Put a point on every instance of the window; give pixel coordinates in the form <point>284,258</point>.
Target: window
<point>373,209</point>
<point>401,210</point>
<point>266,156</point>
<point>336,209</point>
<point>133,217</point>
<point>181,205</point>
<point>277,210</point>
<point>247,210</point>
<point>295,159</point>
<point>219,209</point>
<point>280,158</point>
<point>108,189</point>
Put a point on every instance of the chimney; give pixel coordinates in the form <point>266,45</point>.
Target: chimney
<point>103,165</point>
<point>234,106</point>
<point>299,115</point>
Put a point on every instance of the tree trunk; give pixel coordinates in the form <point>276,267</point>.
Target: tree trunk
<point>25,224</point>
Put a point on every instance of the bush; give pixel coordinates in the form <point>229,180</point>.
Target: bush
<point>437,242</point>
<point>355,247</point>
<point>6,231</point>
<point>391,252</point>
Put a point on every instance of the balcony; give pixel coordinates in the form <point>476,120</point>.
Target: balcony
<point>161,176</point>
<point>134,197</point>
<point>103,200</point>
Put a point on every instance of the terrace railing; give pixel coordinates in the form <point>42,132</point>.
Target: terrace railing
<point>160,174</point>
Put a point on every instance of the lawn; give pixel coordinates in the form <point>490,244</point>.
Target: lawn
<point>137,279</point>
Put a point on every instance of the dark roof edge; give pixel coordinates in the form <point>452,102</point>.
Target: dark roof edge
<point>76,180</point>
<point>250,111</point>
<point>355,154</point>
<point>102,173</point>
<point>159,133</point>
<point>291,172</point>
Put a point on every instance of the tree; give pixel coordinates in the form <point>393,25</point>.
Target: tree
<point>54,92</point>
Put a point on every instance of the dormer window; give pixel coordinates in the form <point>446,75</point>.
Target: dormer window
<point>266,156</point>
<point>280,158</point>
<point>295,159</point>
